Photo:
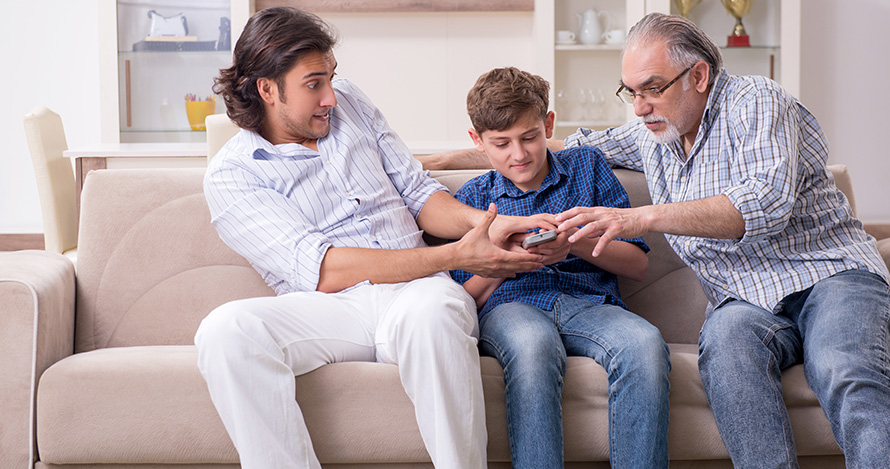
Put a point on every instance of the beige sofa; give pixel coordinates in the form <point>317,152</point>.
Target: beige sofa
<point>99,369</point>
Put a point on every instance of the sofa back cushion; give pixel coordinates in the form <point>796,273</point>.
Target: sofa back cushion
<point>151,266</point>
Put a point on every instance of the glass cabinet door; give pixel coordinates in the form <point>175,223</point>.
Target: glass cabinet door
<point>168,54</point>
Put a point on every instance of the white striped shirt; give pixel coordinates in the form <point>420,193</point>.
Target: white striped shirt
<point>283,206</point>
<point>761,148</point>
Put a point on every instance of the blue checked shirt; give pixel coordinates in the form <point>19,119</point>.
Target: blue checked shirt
<point>283,206</point>
<point>762,149</point>
<point>577,177</point>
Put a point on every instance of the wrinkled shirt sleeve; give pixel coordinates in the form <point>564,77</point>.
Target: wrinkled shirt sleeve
<point>265,227</point>
<point>763,154</point>
<point>406,173</point>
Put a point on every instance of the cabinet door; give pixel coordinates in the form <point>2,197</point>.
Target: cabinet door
<point>167,51</point>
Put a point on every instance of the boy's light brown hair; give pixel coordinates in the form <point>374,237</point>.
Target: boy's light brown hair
<point>503,96</point>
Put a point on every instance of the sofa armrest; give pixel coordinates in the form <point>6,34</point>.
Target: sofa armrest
<point>37,293</point>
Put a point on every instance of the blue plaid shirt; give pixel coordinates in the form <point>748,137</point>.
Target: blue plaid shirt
<point>761,148</point>
<point>577,177</point>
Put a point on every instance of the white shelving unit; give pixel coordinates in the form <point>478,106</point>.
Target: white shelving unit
<point>774,27</point>
<point>144,86</point>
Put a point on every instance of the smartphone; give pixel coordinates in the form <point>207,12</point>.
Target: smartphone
<point>539,238</point>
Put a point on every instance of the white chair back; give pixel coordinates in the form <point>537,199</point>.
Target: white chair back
<point>55,180</point>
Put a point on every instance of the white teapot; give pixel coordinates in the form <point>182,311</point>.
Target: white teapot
<point>591,32</point>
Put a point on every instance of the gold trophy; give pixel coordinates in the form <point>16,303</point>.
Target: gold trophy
<point>738,9</point>
<point>685,6</point>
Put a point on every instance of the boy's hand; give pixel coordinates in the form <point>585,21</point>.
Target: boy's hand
<point>554,251</point>
<point>508,232</point>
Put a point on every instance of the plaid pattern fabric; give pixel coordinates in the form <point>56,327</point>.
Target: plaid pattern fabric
<point>762,149</point>
<point>577,177</point>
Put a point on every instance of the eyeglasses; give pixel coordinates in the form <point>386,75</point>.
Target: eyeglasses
<point>628,96</point>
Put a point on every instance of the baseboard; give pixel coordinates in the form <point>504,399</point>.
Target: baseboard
<point>21,241</point>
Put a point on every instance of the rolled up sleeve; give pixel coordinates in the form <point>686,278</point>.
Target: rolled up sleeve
<point>764,165</point>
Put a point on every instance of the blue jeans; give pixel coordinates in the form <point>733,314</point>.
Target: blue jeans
<point>531,345</point>
<point>839,329</point>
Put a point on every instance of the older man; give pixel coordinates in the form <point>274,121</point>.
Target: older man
<point>326,202</point>
<point>736,170</point>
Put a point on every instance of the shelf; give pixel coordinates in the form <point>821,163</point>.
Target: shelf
<point>226,53</point>
<point>589,47</point>
<point>590,124</point>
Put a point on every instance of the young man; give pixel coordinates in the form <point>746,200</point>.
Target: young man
<point>326,202</point>
<point>570,307</point>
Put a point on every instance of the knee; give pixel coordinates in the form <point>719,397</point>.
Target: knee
<point>440,307</point>
<point>724,329</point>
<point>647,352</point>
<point>225,327</point>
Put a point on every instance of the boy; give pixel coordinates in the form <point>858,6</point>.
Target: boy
<point>571,306</point>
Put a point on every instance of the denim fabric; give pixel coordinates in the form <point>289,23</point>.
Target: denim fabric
<point>531,345</point>
<point>840,330</point>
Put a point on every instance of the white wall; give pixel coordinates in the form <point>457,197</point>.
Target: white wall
<point>844,70</point>
<point>49,59</point>
<point>420,71</point>
<point>49,49</point>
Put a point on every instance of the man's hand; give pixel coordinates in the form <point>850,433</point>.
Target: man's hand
<point>607,223</point>
<point>481,255</point>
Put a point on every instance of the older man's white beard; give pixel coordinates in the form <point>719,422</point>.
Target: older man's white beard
<point>670,133</point>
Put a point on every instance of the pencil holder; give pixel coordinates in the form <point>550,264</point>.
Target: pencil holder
<point>197,111</point>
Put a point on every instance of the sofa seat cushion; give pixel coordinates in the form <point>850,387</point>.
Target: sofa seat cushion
<point>150,405</point>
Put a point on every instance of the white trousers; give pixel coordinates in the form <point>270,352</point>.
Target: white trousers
<point>250,350</point>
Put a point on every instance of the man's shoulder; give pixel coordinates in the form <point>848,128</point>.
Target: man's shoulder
<point>743,89</point>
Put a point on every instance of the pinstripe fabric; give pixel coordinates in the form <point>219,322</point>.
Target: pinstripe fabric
<point>577,177</point>
<point>761,148</point>
<point>283,206</point>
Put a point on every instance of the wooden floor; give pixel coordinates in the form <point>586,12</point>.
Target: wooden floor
<point>20,241</point>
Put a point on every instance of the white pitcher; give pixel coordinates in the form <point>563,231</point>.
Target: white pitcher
<point>591,32</point>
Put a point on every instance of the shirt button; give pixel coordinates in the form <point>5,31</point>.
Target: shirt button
<point>687,243</point>
<point>682,179</point>
<point>358,216</point>
<point>373,238</point>
<point>725,287</point>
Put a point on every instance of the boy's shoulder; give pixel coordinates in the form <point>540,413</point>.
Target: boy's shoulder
<point>481,184</point>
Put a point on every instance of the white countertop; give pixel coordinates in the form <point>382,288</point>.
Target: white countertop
<point>139,150</point>
<point>199,149</point>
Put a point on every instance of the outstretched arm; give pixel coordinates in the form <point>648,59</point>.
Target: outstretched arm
<point>713,217</point>
<point>474,252</point>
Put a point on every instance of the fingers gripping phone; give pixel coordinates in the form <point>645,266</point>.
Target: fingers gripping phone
<point>539,238</point>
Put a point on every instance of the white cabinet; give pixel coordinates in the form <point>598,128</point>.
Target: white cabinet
<point>584,78</point>
<point>147,71</point>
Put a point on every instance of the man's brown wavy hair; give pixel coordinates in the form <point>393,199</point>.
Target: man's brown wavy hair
<point>273,41</point>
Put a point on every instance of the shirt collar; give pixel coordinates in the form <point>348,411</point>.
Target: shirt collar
<point>505,187</point>
<point>714,98</point>
<point>262,149</point>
